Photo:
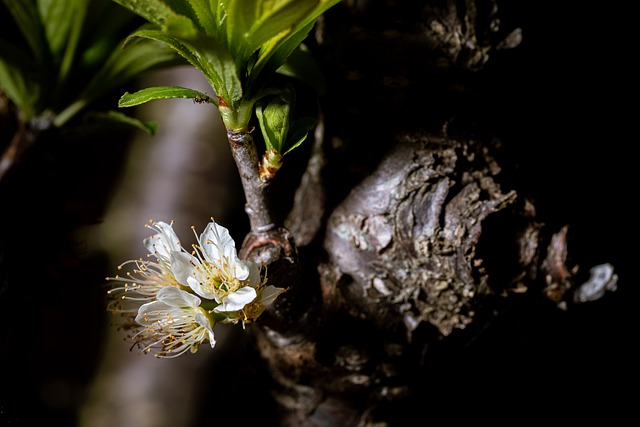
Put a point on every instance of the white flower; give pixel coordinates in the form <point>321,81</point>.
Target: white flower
<point>236,300</point>
<point>250,312</point>
<point>215,272</point>
<point>164,242</point>
<point>172,303</point>
<point>148,277</point>
<point>173,324</point>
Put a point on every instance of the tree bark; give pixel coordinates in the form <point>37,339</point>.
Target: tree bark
<point>413,239</point>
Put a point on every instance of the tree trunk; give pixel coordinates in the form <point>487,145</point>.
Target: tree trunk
<point>421,258</point>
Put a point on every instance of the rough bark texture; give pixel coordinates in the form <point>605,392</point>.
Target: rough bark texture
<point>413,241</point>
<point>407,235</point>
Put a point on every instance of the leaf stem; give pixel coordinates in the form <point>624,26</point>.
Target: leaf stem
<point>69,112</point>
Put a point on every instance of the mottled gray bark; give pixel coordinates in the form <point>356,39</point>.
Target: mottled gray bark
<point>406,229</point>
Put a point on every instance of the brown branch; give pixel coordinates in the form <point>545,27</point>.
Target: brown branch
<point>14,150</point>
<point>26,134</point>
<point>265,243</point>
<point>257,207</point>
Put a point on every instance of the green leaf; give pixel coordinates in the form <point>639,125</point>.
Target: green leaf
<point>299,132</point>
<point>16,72</point>
<point>154,11</point>
<point>273,23</point>
<point>116,117</point>
<point>25,14</point>
<point>162,92</point>
<point>302,65</point>
<point>128,63</point>
<point>220,60</point>
<point>252,23</point>
<point>274,54</point>
<point>103,31</point>
<point>121,67</point>
<point>180,26</point>
<point>75,32</point>
<point>99,122</point>
<point>216,64</point>
<point>219,11</point>
<point>176,18</point>
<point>57,18</point>
<point>274,116</point>
<point>240,15</point>
<point>203,16</point>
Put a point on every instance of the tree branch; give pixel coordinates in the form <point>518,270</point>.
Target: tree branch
<point>246,158</point>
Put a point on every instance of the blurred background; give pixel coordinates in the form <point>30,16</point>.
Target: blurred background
<point>62,358</point>
<point>184,173</point>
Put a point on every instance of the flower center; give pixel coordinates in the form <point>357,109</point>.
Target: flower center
<point>221,281</point>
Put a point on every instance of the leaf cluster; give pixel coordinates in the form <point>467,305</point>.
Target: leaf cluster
<point>238,45</point>
<point>57,57</point>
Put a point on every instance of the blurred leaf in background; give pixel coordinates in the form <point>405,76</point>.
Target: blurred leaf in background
<point>62,57</point>
<point>62,144</point>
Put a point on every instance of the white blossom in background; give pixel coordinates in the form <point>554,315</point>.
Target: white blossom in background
<point>171,304</point>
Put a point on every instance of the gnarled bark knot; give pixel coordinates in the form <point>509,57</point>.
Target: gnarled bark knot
<point>406,236</point>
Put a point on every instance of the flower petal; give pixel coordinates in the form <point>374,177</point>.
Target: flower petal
<point>203,321</point>
<point>175,297</point>
<point>239,269</point>
<point>253,274</point>
<point>216,243</point>
<point>237,300</point>
<point>183,266</point>
<point>153,307</point>
<point>197,287</point>
<point>269,295</point>
<point>164,242</point>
